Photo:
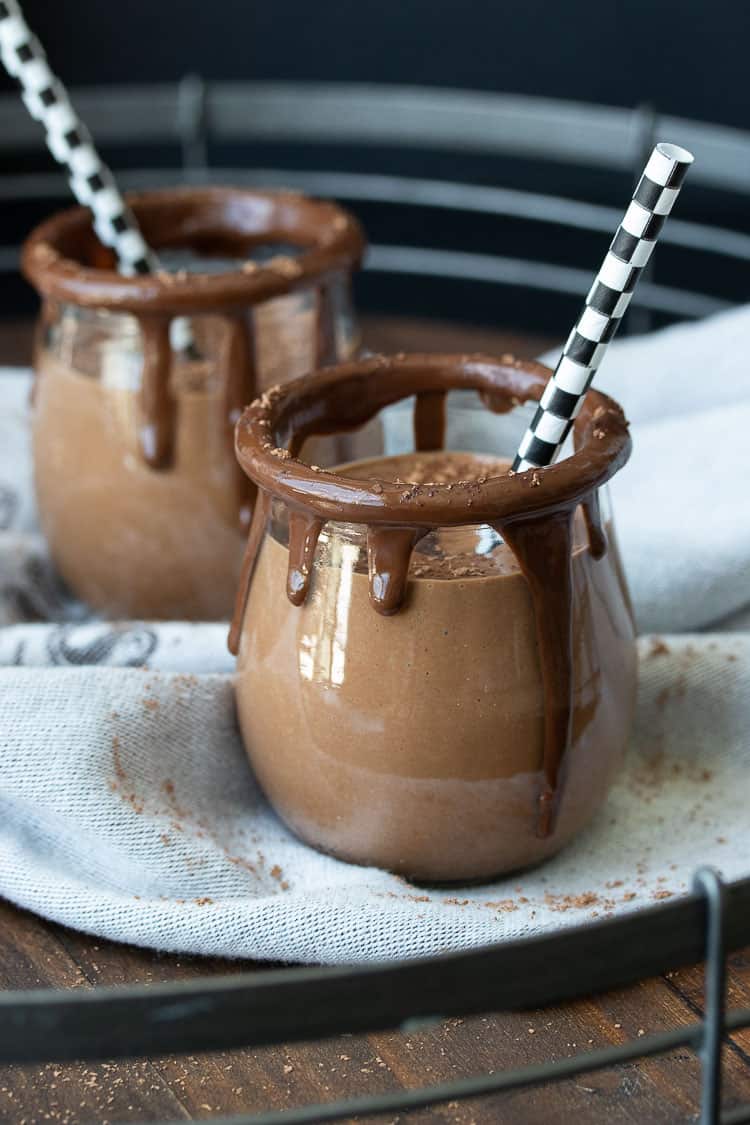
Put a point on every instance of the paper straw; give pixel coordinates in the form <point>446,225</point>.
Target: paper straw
<point>605,306</point>
<point>71,144</point>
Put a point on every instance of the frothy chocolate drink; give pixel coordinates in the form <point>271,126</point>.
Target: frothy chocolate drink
<point>446,690</point>
<point>139,494</point>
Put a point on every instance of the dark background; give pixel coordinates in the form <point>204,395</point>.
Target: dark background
<point>686,59</point>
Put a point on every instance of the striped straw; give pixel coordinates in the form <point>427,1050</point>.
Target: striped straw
<point>71,144</point>
<point>605,306</point>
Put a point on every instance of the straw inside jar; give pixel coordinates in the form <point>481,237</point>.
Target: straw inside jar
<point>605,306</point>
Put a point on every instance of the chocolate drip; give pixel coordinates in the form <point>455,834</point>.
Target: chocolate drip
<point>594,529</point>
<point>240,367</point>
<point>157,408</point>
<point>429,421</point>
<point>533,511</point>
<point>67,264</point>
<point>388,556</point>
<point>254,539</point>
<point>543,546</point>
<point>240,382</point>
<point>304,531</point>
<point>326,351</point>
<point>48,315</point>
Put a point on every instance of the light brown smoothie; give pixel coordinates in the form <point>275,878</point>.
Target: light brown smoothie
<point>141,499</point>
<point>131,540</point>
<point>415,741</point>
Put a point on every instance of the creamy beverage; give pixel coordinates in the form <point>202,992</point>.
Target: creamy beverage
<point>400,700</point>
<point>415,741</point>
<point>127,539</point>
<point>139,494</point>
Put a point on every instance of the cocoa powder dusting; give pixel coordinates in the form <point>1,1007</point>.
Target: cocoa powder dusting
<point>118,786</point>
<point>116,759</point>
<point>563,903</point>
<point>182,820</point>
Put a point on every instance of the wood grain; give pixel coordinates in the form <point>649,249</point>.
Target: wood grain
<point>34,953</point>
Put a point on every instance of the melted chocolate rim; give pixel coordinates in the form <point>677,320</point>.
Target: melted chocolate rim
<point>271,431</point>
<point>215,219</point>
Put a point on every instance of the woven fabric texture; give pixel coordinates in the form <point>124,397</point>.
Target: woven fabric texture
<point>129,810</point>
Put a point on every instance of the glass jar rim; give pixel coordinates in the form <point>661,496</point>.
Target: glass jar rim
<point>54,256</point>
<point>271,431</point>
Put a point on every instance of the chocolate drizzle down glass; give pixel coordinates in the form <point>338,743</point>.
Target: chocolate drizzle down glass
<point>533,512</point>
<point>216,221</point>
<point>268,298</point>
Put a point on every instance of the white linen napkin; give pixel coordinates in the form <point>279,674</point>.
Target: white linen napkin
<point>128,808</point>
<point>682,504</point>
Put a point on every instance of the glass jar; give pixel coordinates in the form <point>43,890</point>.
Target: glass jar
<point>436,673</point>
<point>137,487</point>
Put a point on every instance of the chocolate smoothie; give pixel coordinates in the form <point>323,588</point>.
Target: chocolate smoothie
<point>414,742</point>
<point>402,713</point>
<point>129,539</point>
<point>138,491</point>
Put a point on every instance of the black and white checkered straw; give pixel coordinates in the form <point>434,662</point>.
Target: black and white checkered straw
<point>605,306</point>
<point>71,144</point>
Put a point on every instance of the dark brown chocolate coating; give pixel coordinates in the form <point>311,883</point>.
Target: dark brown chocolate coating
<point>62,257</point>
<point>347,396</point>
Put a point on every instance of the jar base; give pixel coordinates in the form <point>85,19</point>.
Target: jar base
<point>420,877</point>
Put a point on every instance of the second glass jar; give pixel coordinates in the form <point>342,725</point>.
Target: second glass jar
<point>137,487</point>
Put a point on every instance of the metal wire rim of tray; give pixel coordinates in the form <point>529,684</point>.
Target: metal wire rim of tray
<point>282,1006</point>
<point>192,115</point>
<point>290,1005</point>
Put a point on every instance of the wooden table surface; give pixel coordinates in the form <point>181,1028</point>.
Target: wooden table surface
<point>38,954</point>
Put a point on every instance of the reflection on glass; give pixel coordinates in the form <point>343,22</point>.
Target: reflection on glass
<point>322,655</point>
